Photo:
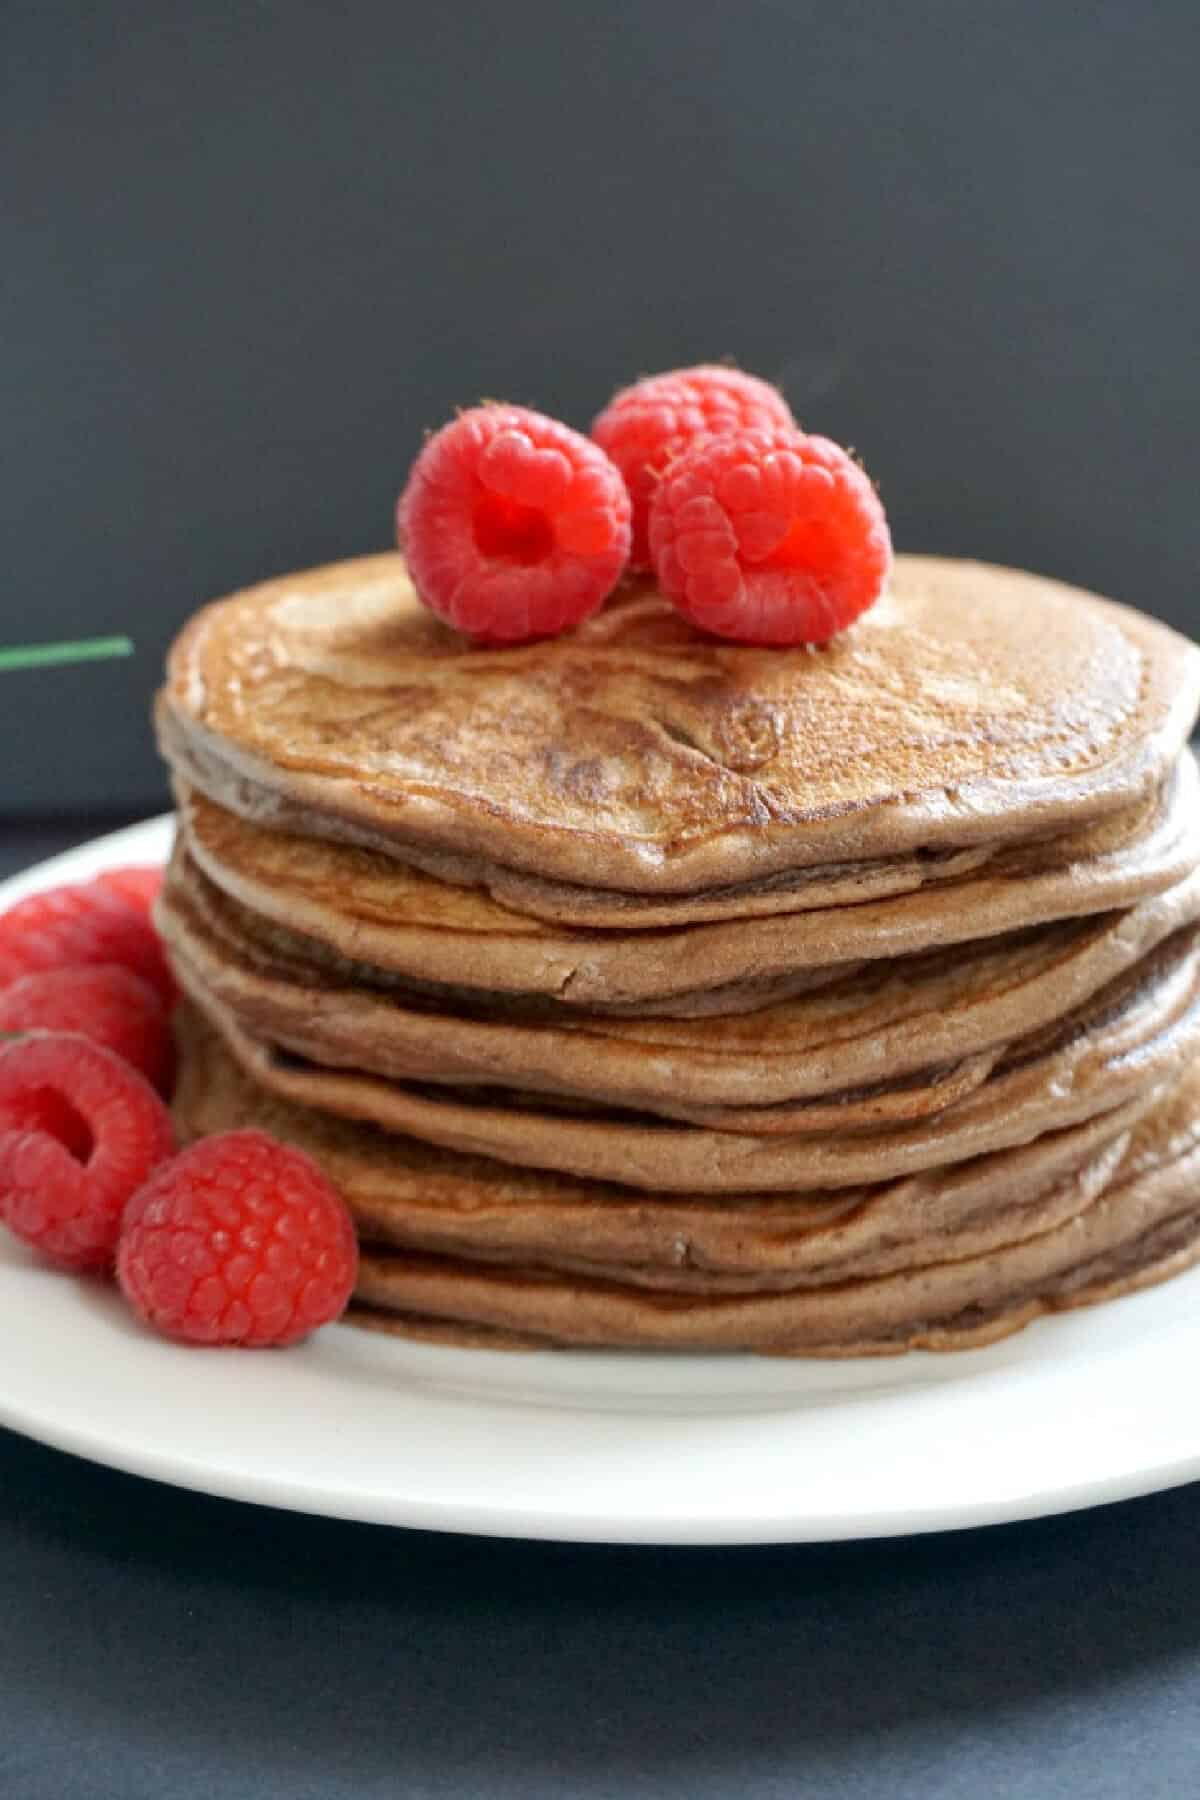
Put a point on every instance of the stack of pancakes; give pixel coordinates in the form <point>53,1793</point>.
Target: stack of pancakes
<point>639,989</point>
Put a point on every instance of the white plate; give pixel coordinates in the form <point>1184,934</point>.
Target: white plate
<point>1089,1407</point>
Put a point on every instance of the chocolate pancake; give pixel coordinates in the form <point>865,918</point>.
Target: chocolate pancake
<point>1143,1226</point>
<point>971,706</point>
<point>366,914</point>
<point>639,989</point>
<point>796,890</point>
<point>414,1196</point>
<point>1138,1032</point>
<point>911,1030</point>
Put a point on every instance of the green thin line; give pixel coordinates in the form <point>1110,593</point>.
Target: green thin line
<point>46,656</point>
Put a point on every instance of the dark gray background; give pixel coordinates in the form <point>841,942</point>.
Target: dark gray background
<point>250,252</point>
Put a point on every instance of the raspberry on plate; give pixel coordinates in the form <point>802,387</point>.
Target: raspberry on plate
<point>110,1005</point>
<point>239,1240</point>
<point>645,427</point>
<point>769,537</point>
<point>514,526</point>
<point>141,883</point>
<point>82,923</point>
<point>79,1132</point>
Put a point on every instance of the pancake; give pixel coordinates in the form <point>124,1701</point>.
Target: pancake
<point>1138,1032</point>
<point>795,890</point>
<point>261,853</point>
<point>364,914</point>
<point>227,836</point>
<point>890,1022</point>
<point>1144,1226</point>
<point>636,754</point>
<point>409,1195</point>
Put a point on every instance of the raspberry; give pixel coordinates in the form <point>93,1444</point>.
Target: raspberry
<point>141,885</point>
<point>239,1240</point>
<point>110,1005</point>
<point>89,922</point>
<point>769,537</point>
<point>79,1132</point>
<point>646,426</point>
<point>514,526</point>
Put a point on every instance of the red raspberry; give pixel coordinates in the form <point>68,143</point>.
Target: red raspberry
<point>239,1240</point>
<point>84,923</point>
<point>769,537</point>
<point>110,1005</point>
<point>646,426</point>
<point>79,1132</point>
<point>514,526</point>
<point>141,885</point>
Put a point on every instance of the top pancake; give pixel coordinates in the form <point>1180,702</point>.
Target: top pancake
<point>973,705</point>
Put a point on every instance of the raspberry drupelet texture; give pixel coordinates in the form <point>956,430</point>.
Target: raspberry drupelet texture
<point>110,1005</point>
<point>79,1131</point>
<point>514,526</point>
<point>645,427</point>
<point>239,1240</point>
<point>85,922</point>
<point>769,538</point>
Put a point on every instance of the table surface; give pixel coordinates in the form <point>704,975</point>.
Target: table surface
<point>161,1644</point>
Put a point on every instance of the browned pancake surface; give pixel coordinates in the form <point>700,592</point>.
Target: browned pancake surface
<point>973,704</point>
